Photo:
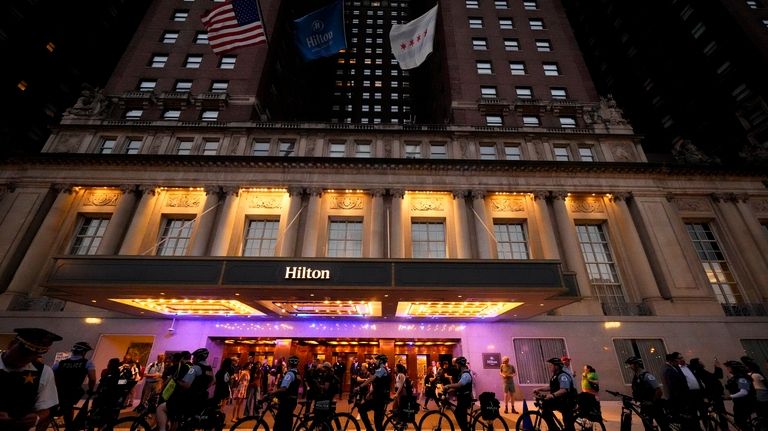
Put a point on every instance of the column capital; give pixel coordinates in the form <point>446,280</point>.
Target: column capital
<point>295,191</point>
<point>127,188</point>
<point>150,190</point>
<point>724,197</point>
<point>63,188</point>
<point>397,193</point>
<point>541,195</point>
<point>621,196</point>
<point>478,194</point>
<point>314,191</point>
<point>377,193</point>
<point>212,190</point>
<point>742,197</point>
<point>7,187</point>
<point>459,194</point>
<point>231,191</point>
<point>558,195</point>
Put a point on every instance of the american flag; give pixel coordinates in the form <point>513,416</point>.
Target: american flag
<point>234,24</point>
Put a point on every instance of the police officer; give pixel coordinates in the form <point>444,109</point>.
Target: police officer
<point>560,396</point>
<point>191,390</point>
<point>742,392</point>
<point>70,374</point>
<point>288,396</point>
<point>463,390</point>
<point>28,387</point>
<point>379,395</point>
<point>647,391</point>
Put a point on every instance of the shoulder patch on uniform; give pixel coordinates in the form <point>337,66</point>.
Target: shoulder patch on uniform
<point>650,377</point>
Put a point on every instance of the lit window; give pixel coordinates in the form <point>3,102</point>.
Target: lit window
<point>337,149</point>
<point>428,239</point>
<point>494,120</point>
<point>531,355</point>
<point>479,43</point>
<point>531,121</point>
<point>363,149</point>
<point>536,24</point>
<point>201,38</point>
<point>133,146</point>
<point>558,93</point>
<point>765,23</point>
<point>524,92</point>
<point>345,238</point>
<point>586,154</point>
<point>180,15</point>
<point>506,24</point>
<point>511,44</point>
<point>170,36</point>
<point>484,68</point>
<point>487,151</point>
<point>501,4</point>
<point>171,114</point>
<point>260,237</point>
<point>193,61</point>
<point>543,45</point>
<point>472,4</point>
<point>158,61</point>
<point>174,237</point>
<point>260,148</point>
<point>209,115</point>
<point>551,69</point>
<point>184,146</point>
<point>412,150</point>
<point>475,23</point>
<point>715,264</point>
<point>650,350</point>
<point>488,92</point>
<point>147,85</point>
<point>107,146</point>
<point>227,62</point>
<point>530,5</point>
<point>511,240</point>
<point>562,154</point>
<point>219,86</point>
<point>134,114</point>
<point>568,122</point>
<point>90,232</point>
<point>517,67</point>
<point>438,151</point>
<point>211,147</point>
<point>752,4</point>
<point>512,152</point>
<point>183,86</point>
<point>602,269</point>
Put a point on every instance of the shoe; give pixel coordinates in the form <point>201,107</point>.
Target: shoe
<point>506,411</point>
<point>515,412</point>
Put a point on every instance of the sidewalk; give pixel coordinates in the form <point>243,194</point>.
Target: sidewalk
<point>611,415</point>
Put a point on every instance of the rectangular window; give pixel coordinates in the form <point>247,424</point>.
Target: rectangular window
<point>345,238</point>
<point>517,67</point>
<point>536,23</point>
<point>472,4</point>
<point>337,149</point>
<point>412,150</point>
<point>543,45</point>
<point>513,152</point>
<point>601,269</point>
<point>531,355</point>
<point>752,4</point>
<point>501,4</point>
<point>147,85</point>
<point>170,37</point>
<point>211,147</point>
<point>134,114</point>
<point>562,154</point>
<point>475,23</point>
<point>89,235</point>
<point>511,241</point>
<point>363,149</point>
<point>494,120</point>
<point>286,148</point>
<point>488,92</point>
<point>171,114</point>
<point>427,239</point>
<point>551,69</point>
<point>158,61</point>
<point>107,146</point>
<point>558,93</point>
<point>524,92</point>
<point>184,146</point>
<point>531,5</point>
<point>193,61</point>
<point>567,122</point>
<point>260,148</point>
<point>227,62</point>
<point>511,44</point>
<point>219,86</point>
<point>260,237</point>
<point>180,15</point>
<point>484,68</point>
<point>650,350</point>
<point>175,234</point>
<point>209,116</point>
<point>506,24</point>
<point>488,152</point>
<point>183,86</point>
<point>438,151</point>
<point>201,38</point>
<point>586,154</point>
<point>133,146</point>
<point>531,121</point>
<point>479,43</point>
<point>756,349</point>
<point>715,264</point>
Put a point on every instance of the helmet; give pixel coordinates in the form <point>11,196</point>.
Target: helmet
<point>81,346</point>
<point>634,360</point>
<point>381,358</point>
<point>293,361</point>
<point>556,362</point>
<point>200,354</point>
<point>461,361</point>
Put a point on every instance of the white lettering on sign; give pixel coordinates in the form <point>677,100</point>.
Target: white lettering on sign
<point>306,273</point>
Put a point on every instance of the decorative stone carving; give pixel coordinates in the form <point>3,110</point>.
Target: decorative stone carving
<point>212,190</point>
<point>266,202</point>
<point>315,191</point>
<point>388,149</point>
<point>541,195</point>
<point>63,188</point>
<point>147,189</point>
<point>230,191</point>
<point>478,194</point>
<point>622,153</point>
<point>397,193</point>
<point>183,200</point>
<point>459,194</point>
<point>102,198</point>
<point>759,206</point>
<point>507,204</point>
<point>621,196</point>
<point>377,193</point>
<point>691,204</point>
<point>558,195</point>
<point>609,113</point>
<point>68,142</point>
<point>586,205</point>
<point>427,204</point>
<point>7,188</point>
<point>684,151</point>
<point>294,191</point>
<point>347,203</point>
<point>91,103</point>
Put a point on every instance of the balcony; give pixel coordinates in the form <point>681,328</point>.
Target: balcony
<point>492,104</point>
<point>212,100</point>
<point>757,309</point>
<point>626,309</point>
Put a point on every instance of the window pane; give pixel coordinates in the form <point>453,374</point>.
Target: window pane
<point>651,351</point>
<point>716,267</point>
<point>531,354</point>
<point>511,242</point>
<point>89,235</point>
<point>260,237</point>
<point>174,237</point>
<point>601,267</point>
<point>345,238</point>
<point>428,239</point>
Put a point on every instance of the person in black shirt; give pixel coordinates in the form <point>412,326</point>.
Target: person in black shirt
<point>70,374</point>
<point>463,389</point>
<point>378,397</point>
<point>560,395</point>
<point>646,390</point>
<point>713,387</point>
<point>288,396</point>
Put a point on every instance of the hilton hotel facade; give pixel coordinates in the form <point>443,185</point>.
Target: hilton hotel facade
<point>182,207</point>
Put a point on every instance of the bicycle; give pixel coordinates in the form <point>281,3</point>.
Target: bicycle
<point>266,410</point>
<point>404,416</point>
<point>712,422</point>
<point>89,416</point>
<point>537,420</point>
<point>210,418</point>
<point>324,417</point>
<point>629,406</point>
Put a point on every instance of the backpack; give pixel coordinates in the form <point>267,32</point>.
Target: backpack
<point>489,405</point>
<point>407,387</point>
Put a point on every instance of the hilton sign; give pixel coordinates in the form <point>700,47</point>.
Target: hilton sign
<point>306,273</point>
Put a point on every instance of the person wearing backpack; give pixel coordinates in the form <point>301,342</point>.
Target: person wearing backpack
<point>560,395</point>
<point>70,374</point>
<point>288,396</point>
<point>646,390</point>
<point>463,390</point>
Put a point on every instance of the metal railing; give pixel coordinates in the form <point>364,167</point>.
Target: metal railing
<point>755,309</point>
<point>626,309</point>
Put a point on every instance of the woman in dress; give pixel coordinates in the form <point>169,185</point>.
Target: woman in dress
<point>239,393</point>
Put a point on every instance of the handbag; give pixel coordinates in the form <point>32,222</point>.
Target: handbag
<point>169,388</point>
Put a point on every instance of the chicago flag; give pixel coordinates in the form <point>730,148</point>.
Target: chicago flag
<point>412,42</point>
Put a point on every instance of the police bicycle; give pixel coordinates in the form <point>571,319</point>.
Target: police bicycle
<point>266,410</point>
<point>724,420</point>
<point>324,417</point>
<point>209,418</point>
<point>93,414</point>
<point>437,420</point>
<point>629,406</point>
<point>534,420</point>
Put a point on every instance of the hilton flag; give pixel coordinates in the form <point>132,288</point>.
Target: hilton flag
<point>412,42</point>
<point>321,33</point>
<point>234,24</point>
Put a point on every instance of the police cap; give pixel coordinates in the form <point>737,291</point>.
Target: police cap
<point>36,340</point>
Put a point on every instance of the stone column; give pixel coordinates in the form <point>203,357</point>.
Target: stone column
<point>639,266</point>
<point>205,222</point>
<point>573,259</point>
<point>753,224</point>
<point>38,254</point>
<point>378,223</point>
<point>291,233</point>
<point>118,223</point>
<point>396,234</point>
<point>463,245</point>
<point>223,230</point>
<point>486,242</point>
<point>135,234</point>
<point>742,239</point>
<point>309,246</point>
<point>545,228</point>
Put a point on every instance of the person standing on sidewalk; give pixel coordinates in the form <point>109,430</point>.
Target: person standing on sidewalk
<point>508,373</point>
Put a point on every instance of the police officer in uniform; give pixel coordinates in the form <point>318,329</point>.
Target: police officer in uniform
<point>647,391</point>
<point>560,396</point>
<point>463,390</point>
<point>288,396</point>
<point>742,392</point>
<point>378,397</point>
<point>191,390</point>
<point>70,374</point>
<point>27,386</point>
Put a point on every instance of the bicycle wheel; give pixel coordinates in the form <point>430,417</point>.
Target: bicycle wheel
<point>250,423</point>
<point>496,424</point>
<point>531,421</point>
<point>344,422</point>
<point>128,423</point>
<point>435,420</point>
<point>393,424</point>
<point>584,424</point>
